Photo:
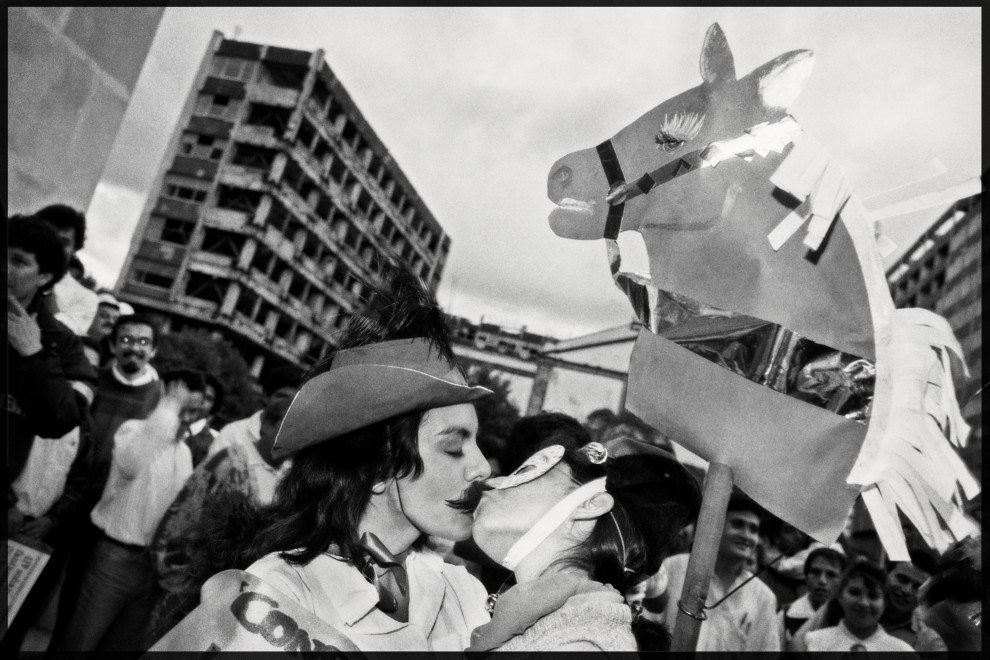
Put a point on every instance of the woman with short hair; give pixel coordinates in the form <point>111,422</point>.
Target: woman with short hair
<point>861,600</point>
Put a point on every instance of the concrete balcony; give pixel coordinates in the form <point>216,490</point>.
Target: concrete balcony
<point>212,264</point>
<point>244,177</point>
<point>278,243</point>
<point>309,163</point>
<point>225,219</point>
<point>249,328</point>
<point>259,136</point>
<point>261,282</point>
<point>196,308</point>
<point>283,346</point>
<point>272,95</point>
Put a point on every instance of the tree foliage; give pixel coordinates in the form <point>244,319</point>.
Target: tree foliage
<point>496,413</point>
<point>206,352</point>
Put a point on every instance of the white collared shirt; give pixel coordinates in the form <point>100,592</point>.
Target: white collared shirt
<point>838,638</point>
<point>746,621</point>
<point>245,432</point>
<point>799,609</point>
<point>264,477</point>
<point>149,376</point>
<point>196,427</point>
<point>445,602</point>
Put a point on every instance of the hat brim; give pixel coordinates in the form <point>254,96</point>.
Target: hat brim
<point>352,397</point>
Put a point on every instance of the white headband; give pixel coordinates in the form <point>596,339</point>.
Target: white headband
<point>550,521</point>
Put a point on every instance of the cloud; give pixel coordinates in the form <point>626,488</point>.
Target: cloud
<point>111,219</point>
<point>476,104</point>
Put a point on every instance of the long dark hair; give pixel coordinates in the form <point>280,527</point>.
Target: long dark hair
<point>319,503</point>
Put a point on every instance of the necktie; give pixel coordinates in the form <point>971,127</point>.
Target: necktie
<point>388,576</point>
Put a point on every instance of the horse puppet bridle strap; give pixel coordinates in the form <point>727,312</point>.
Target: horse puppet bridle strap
<point>760,140</point>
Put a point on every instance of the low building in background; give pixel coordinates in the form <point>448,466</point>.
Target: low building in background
<point>274,198</point>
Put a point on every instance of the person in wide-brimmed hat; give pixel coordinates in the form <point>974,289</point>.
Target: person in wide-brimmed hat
<point>579,524</point>
<point>382,439</point>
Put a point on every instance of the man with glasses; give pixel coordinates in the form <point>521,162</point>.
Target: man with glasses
<point>150,464</point>
<point>128,388</point>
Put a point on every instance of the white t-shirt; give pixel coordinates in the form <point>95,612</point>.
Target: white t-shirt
<point>445,602</point>
<point>838,638</point>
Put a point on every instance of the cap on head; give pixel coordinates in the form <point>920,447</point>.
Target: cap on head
<point>107,298</point>
<point>657,491</point>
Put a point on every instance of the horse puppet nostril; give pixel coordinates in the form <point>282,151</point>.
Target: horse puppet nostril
<point>562,177</point>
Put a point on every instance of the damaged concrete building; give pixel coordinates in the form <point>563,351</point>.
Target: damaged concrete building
<point>275,196</point>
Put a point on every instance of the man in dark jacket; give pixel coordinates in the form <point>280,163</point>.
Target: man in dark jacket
<point>48,390</point>
<point>50,382</point>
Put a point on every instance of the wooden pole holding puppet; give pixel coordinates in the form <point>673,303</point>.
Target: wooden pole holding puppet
<point>701,564</point>
<point>769,344</point>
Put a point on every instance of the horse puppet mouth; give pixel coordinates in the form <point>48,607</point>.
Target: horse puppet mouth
<point>575,219</point>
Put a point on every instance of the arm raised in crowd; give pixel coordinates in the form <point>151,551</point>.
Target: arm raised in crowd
<point>52,370</point>
<point>138,441</point>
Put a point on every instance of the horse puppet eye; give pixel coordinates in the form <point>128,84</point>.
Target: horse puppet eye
<point>676,130</point>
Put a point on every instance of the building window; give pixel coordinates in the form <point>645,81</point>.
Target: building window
<point>216,105</point>
<point>202,146</point>
<point>252,157</point>
<point>238,199</point>
<point>233,68</point>
<point>153,279</point>
<point>269,116</point>
<point>184,193</point>
<point>223,243</point>
<point>205,287</point>
<point>177,231</point>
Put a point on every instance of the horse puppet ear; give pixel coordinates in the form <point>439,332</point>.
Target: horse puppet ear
<point>780,81</point>
<point>717,64</point>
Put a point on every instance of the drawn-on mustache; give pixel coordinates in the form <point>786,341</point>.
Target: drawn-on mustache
<point>468,501</point>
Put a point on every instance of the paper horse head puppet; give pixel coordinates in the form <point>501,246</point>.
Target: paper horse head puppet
<point>770,342</point>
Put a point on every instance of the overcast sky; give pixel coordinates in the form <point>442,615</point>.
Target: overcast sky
<point>476,104</point>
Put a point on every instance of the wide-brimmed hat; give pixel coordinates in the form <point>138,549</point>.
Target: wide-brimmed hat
<point>370,384</point>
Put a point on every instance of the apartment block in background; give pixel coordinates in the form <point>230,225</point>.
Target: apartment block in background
<point>274,197</point>
<point>942,272</point>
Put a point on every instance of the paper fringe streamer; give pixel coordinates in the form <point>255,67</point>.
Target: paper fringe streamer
<point>914,468</point>
<point>815,180</point>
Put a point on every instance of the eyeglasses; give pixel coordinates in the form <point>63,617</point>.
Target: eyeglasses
<point>130,341</point>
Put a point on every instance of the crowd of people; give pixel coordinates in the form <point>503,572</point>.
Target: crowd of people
<point>359,493</point>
